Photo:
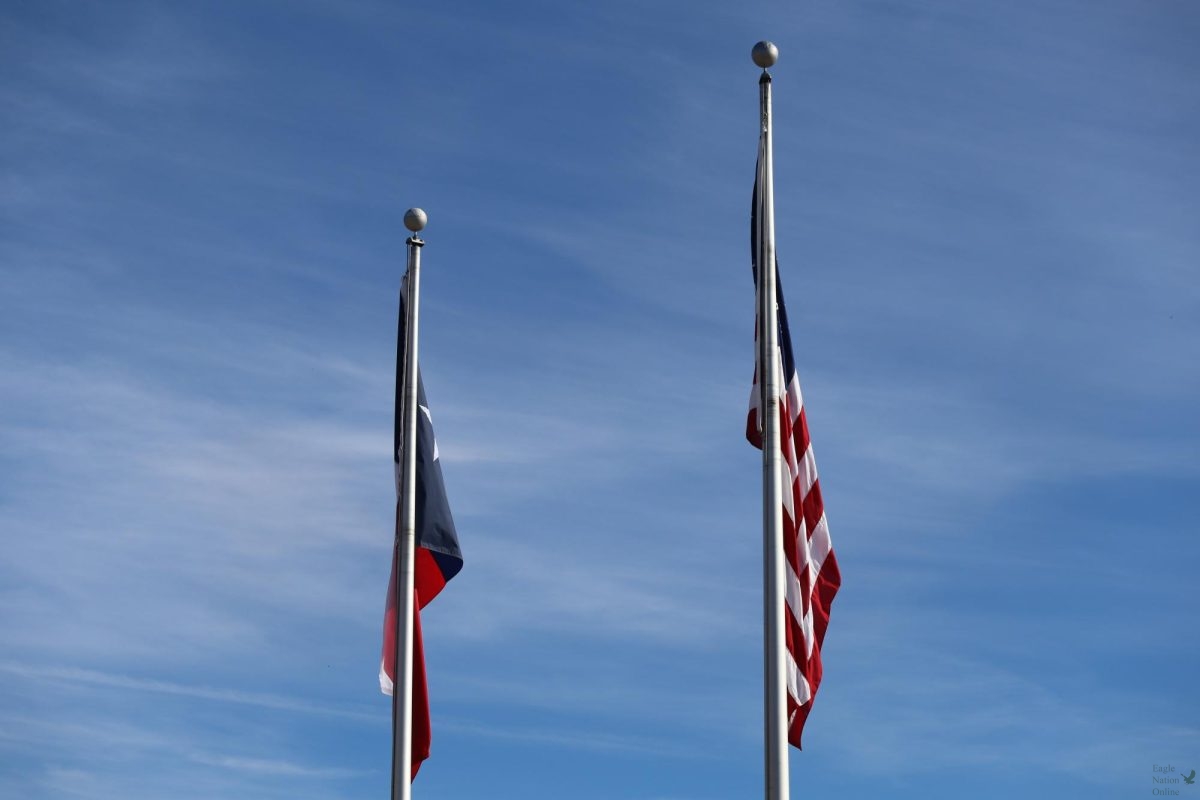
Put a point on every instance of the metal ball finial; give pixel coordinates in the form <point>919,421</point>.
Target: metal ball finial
<point>415,219</point>
<point>765,54</point>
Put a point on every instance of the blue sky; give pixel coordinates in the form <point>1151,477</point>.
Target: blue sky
<point>987,232</point>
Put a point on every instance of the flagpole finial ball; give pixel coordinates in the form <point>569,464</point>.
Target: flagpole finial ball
<point>765,54</point>
<point>415,219</point>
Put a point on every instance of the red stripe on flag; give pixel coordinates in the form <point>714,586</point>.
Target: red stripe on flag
<point>801,432</point>
<point>428,579</point>
<point>422,732</point>
<point>828,581</point>
<point>811,507</point>
<point>422,729</point>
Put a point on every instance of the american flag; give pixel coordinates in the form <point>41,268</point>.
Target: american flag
<point>812,577</point>
<point>438,557</point>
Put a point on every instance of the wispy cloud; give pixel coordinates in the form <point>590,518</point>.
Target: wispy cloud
<point>593,741</point>
<point>76,676</point>
<point>265,766</point>
<point>961,712</point>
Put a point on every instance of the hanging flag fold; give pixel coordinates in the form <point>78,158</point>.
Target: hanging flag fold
<point>811,571</point>
<point>437,554</point>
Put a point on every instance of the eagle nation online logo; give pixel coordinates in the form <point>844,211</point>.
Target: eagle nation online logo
<point>1165,778</point>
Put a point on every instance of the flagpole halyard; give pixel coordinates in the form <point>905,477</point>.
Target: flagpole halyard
<point>775,722</point>
<point>406,522</point>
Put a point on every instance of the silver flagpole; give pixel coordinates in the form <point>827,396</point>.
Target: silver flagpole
<point>775,720</point>
<point>406,523</point>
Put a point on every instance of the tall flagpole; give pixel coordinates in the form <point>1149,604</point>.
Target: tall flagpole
<point>775,720</point>
<point>406,521</point>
